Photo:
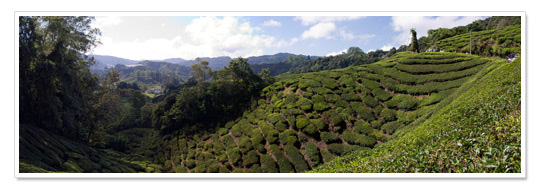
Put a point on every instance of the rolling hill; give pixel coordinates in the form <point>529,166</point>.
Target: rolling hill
<point>306,120</point>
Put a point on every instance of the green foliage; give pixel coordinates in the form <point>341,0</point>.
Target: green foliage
<point>269,132</point>
<point>273,118</point>
<point>234,155</point>
<point>268,165</point>
<point>301,122</point>
<point>288,137</point>
<point>362,111</point>
<point>339,149</point>
<point>329,137</point>
<point>320,106</point>
<point>388,114</point>
<point>476,129</point>
<point>304,104</point>
<point>313,154</point>
<point>296,158</point>
<point>228,141</point>
<point>285,165</point>
<point>390,127</point>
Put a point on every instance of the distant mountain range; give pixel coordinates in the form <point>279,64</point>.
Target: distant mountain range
<point>215,63</point>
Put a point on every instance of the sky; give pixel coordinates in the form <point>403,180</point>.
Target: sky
<point>188,37</point>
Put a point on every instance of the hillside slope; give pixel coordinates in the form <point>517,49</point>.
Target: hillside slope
<point>305,120</point>
<point>480,131</point>
<point>42,152</point>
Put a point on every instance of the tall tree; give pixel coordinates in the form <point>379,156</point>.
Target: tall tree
<point>414,42</point>
<point>200,71</point>
<point>55,80</point>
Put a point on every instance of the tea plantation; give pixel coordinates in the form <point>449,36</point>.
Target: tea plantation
<point>497,42</point>
<point>478,129</point>
<point>305,120</point>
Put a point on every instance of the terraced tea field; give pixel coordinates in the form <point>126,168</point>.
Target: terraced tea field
<point>305,120</point>
<point>488,42</point>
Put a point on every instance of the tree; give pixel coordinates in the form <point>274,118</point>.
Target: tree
<point>55,82</point>
<point>266,77</point>
<point>201,70</point>
<point>414,42</point>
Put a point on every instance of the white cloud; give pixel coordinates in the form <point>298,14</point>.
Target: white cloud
<point>422,24</point>
<point>102,21</point>
<point>362,38</point>
<point>371,50</point>
<point>202,37</point>
<point>387,47</point>
<point>319,31</point>
<point>307,20</point>
<point>337,53</point>
<point>272,22</point>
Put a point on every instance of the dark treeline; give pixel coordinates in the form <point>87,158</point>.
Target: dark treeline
<point>305,64</point>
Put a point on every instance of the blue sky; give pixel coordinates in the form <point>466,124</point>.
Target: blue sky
<point>153,37</point>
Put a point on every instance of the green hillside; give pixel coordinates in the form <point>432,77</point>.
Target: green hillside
<point>497,42</point>
<point>478,129</point>
<point>42,152</point>
<point>305,120</point>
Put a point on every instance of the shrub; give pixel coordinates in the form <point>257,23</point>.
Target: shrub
<point>370,101</point>
<point>329,137</point>
<point>235,130</point>
<point>362,111</point>
<point>313,154</point>
<point>302,137</point>
<point>292,121</point>
<point>256,137</point>
<point>222,158</point>
<point>350,137</point>
<point>376,124</point>
<point>301,122</point>
<point>310,129</point>
<point>268,131</point>
<point>351,96</point>
<point>304,104</point>
<point>390,127</point>
<point>228,141</point>
<point>234,156</point>
<point>318,123</point>
<point>332,98</point>
<point>250,158</point>
<point>320,106</point>
<point>388,114</point>
<point>296,158</point>
<point>287,137</point>
<point>329,83</point>
<point>245,144</point>
<point>229,124</point>
<point>339,149</point>
<point>342,103</point>
<point>290,99</point>
<point>273,118</point>
<point>281,126</point>
<point>380,94</point>
<point>327,156</point>
<point>268,165</point>
<point>365,140</point>
<point>362,127</point>
<point>222,131</point>
<point>285,165</point>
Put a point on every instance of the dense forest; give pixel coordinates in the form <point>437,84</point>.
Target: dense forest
<point>402,110</point>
